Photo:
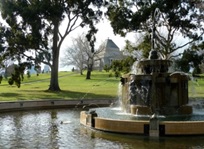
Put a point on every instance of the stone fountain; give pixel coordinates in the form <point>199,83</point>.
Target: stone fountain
<point>153,90</point>
<point>150,96</point>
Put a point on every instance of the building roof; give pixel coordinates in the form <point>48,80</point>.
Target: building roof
<point>110,50</point>
<point>110,44</point>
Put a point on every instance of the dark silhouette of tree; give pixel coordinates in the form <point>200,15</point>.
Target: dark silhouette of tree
<point>34,26</point>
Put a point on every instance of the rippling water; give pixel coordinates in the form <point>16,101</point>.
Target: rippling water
<point>60,129</point>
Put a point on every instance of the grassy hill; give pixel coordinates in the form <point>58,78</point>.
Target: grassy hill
<point>75,86</point>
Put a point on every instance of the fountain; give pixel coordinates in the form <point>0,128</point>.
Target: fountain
<point>154,93</point>
<point>153,90</point>
<point>151,96</point>
<point>154,102</point>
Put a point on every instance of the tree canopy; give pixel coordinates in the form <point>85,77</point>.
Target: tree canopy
<point>162,19</point>
<point>32,32</point>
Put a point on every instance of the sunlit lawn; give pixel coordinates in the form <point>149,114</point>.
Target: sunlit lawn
<point>75,86</point>
<point>196,88</point>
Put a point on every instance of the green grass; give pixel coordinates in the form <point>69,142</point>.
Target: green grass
<point>196,88</point>
<point>75,86</point>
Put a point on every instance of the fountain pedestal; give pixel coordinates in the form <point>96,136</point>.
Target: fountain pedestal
<point>154,126</point>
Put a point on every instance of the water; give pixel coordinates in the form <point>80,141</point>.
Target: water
<point>116,113</point>
<point>60,129</point>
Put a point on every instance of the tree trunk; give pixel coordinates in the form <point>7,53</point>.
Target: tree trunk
<point>54,84</point>
<point>90,67</point>
<point>88,74</point>
<point>81,72</point>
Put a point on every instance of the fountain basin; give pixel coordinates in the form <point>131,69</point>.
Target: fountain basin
<point>145,110</point>
<point>140,124</point>
<point>47,104</point>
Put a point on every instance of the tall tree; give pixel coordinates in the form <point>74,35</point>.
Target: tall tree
<point>34,26</point>
<point>80,54</point>
<point>91,57</point>
<point>163,19</point>
<point>74,55</point>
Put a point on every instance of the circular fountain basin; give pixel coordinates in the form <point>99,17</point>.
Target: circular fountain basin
<point>111,120</point>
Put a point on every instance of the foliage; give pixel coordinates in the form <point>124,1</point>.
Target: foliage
<point>161,19</point>
<point>106,68</point>
<point>17,76</point>
<point>189,59</point>
<point>28,74</point>
<point>124,65</point>
<point>144,46</point>
<point>33,27</point>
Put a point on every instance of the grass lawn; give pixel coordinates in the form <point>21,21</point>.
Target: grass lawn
<point>196,88</point>
<point>75,86</point>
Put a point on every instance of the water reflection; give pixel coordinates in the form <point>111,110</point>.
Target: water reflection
<point>45,129</point>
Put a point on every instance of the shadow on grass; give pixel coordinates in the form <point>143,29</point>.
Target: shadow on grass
<point>45,94</point>
<point>10,94</point>
<point>66,94</point>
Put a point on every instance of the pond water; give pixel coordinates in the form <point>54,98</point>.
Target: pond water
<point>60,129</point>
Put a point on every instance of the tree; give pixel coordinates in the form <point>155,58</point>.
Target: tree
<point>162,19</point>
<point>190,59</point>
<point>80,54</point>
<point>74,55</point>
<point>34,26</point>
<point>144,46</point>
<point>124,65</point>
<point>90,57</point>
